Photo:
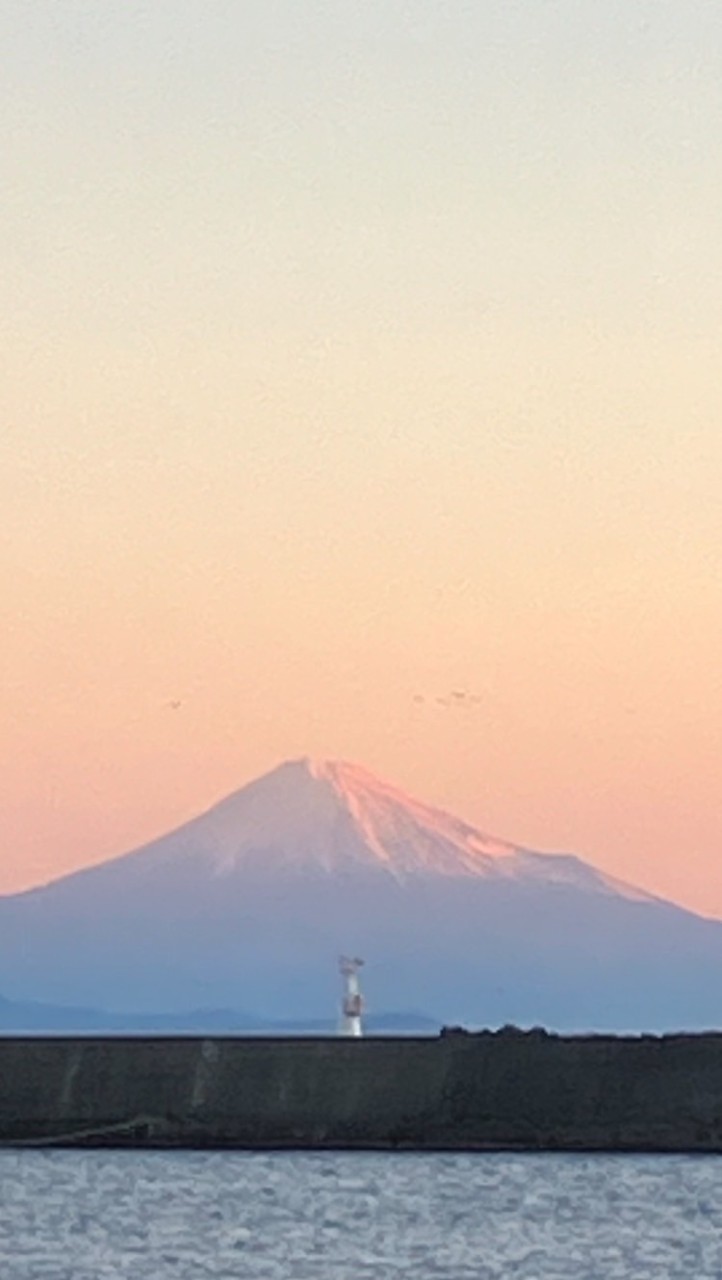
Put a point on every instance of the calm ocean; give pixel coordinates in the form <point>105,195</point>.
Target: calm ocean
<point>188,1216</point>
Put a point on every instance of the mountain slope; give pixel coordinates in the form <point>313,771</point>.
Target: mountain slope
<point>249,905</point>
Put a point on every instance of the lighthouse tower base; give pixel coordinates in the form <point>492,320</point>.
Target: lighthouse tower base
<point>352,1003</point>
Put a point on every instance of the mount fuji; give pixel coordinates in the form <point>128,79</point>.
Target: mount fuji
<point>249,905</point>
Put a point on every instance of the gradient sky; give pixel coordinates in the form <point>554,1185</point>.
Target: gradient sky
<point>351,352</point>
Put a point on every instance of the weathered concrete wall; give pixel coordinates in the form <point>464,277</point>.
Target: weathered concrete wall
<point>487,1091</point>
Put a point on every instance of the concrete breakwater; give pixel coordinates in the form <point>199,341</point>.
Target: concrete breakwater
<point>507,1090</point>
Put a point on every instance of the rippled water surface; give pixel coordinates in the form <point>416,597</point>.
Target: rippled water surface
<point>92,1216</point>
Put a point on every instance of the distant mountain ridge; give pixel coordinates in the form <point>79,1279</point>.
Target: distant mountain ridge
<point>249,905</point>
<point>18,1017</point>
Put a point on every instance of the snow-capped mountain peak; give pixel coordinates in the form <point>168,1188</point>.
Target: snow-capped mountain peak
<point>311,814</point>
<point>335,815</point>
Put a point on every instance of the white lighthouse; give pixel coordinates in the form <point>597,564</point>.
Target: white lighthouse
<point>352,1003</point>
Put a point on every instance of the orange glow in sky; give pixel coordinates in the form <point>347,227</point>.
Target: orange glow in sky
<point>352,356</point>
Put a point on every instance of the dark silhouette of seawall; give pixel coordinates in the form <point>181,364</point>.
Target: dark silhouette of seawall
<point>508,1090</point>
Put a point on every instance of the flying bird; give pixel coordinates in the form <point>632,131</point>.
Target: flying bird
<point>456,698</point>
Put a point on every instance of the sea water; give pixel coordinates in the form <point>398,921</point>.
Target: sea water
<point>341,1216</point>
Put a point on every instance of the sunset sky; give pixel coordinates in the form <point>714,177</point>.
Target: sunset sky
<point>353,353</point>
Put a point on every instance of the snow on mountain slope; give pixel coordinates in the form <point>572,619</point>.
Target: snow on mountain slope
<point>331,815</point>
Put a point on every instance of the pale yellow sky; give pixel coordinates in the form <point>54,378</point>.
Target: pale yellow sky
<point>350,353</point>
